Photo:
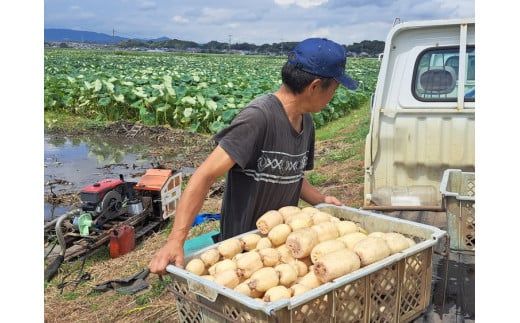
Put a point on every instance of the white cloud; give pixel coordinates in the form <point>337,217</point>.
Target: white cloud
<point>322,33</point>
<point>411,10</point>
<point>459,9</point>
<point>360,31</point>
<point>301,3</point>
<point>215,15</point>
<point>147,5</point>
<point>180,20</point>
<point>233,25</point>
<point>284,2</point>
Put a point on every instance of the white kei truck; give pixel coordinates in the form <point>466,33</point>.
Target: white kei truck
<point>420,149</point>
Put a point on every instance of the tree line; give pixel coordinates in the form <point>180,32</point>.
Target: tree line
<point>370,47</point>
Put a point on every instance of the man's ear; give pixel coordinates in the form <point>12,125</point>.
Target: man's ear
<point>314,85</point>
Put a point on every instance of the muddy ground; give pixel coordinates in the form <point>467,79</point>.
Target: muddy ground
<point>336,173</point>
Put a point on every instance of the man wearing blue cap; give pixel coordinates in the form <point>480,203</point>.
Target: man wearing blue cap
<point>265,150</point>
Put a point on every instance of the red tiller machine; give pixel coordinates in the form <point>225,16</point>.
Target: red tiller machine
<point>117,212</point>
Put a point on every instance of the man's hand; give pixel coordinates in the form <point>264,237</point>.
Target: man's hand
<point>171,253</point>
<point>332,200</point>
<point>312,196</point>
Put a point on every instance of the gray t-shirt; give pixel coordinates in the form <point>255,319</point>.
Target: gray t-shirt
<point>270,157</point>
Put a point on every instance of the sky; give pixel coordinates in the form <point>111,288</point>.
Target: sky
<point>252,21</point>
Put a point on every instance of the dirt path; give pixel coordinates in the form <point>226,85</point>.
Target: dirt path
<point>338,171</point>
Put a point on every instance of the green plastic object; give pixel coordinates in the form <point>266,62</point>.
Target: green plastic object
<point>204,240</point>
<point>84,223</point>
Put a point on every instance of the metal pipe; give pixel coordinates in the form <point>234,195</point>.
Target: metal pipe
<point>52,269</point>
<point>403,208</point>
<point>59,233</point>
<point>51,223</point>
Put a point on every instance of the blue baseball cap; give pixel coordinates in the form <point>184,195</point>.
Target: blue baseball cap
<point>322,57</point>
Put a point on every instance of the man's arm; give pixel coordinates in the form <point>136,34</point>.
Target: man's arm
<point>217,164</point>
<point>312,196</point>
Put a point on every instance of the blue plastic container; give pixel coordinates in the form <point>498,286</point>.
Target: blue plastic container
<point>203,217</point>
<point>204,240</point>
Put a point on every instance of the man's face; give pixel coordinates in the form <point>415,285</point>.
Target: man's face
<point>320,96</point>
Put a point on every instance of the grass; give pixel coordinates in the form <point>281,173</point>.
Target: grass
<point>73,268</point>
<point>342,125</point>
<point>355,144</point>
<point>64,122</point>
<point>351,130</point>
<point>100,254</point>
<point>339,157</point>
<point>315,178</point>
<point>342,155</point>
<point>357,137</point>
<point>156,289</point>
<point>69,296</point>
<point>204,227</point>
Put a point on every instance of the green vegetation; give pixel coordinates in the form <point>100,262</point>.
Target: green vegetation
<point>201,93</point>
<point>100,254</point>
<point>59,121</point>
<point>360,133</point>
<point>156,289</point>
<point>69,296</point>
<point>351,131</point>
<point>315,178</point>
<point>371,47</point>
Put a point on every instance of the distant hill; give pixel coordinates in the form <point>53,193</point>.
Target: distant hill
<point>163,38</point>
<point>69,35</point>
<point>56,35</point>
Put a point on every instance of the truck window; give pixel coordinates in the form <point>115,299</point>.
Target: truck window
<point>436,75</point>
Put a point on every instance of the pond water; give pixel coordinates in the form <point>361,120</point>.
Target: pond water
<point>52,211</point>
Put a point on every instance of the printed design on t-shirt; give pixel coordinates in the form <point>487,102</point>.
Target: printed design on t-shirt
<point>278,167</point>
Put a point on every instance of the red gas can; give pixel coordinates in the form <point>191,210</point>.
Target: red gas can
<point>122,240</point>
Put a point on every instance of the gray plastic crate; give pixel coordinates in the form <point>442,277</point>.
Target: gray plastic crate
<point>395,289</point>
<point>458,191</point>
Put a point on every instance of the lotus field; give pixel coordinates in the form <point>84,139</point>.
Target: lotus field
<point>198,92</point>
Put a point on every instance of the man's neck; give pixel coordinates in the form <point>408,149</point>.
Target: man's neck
<point>292,105</point>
